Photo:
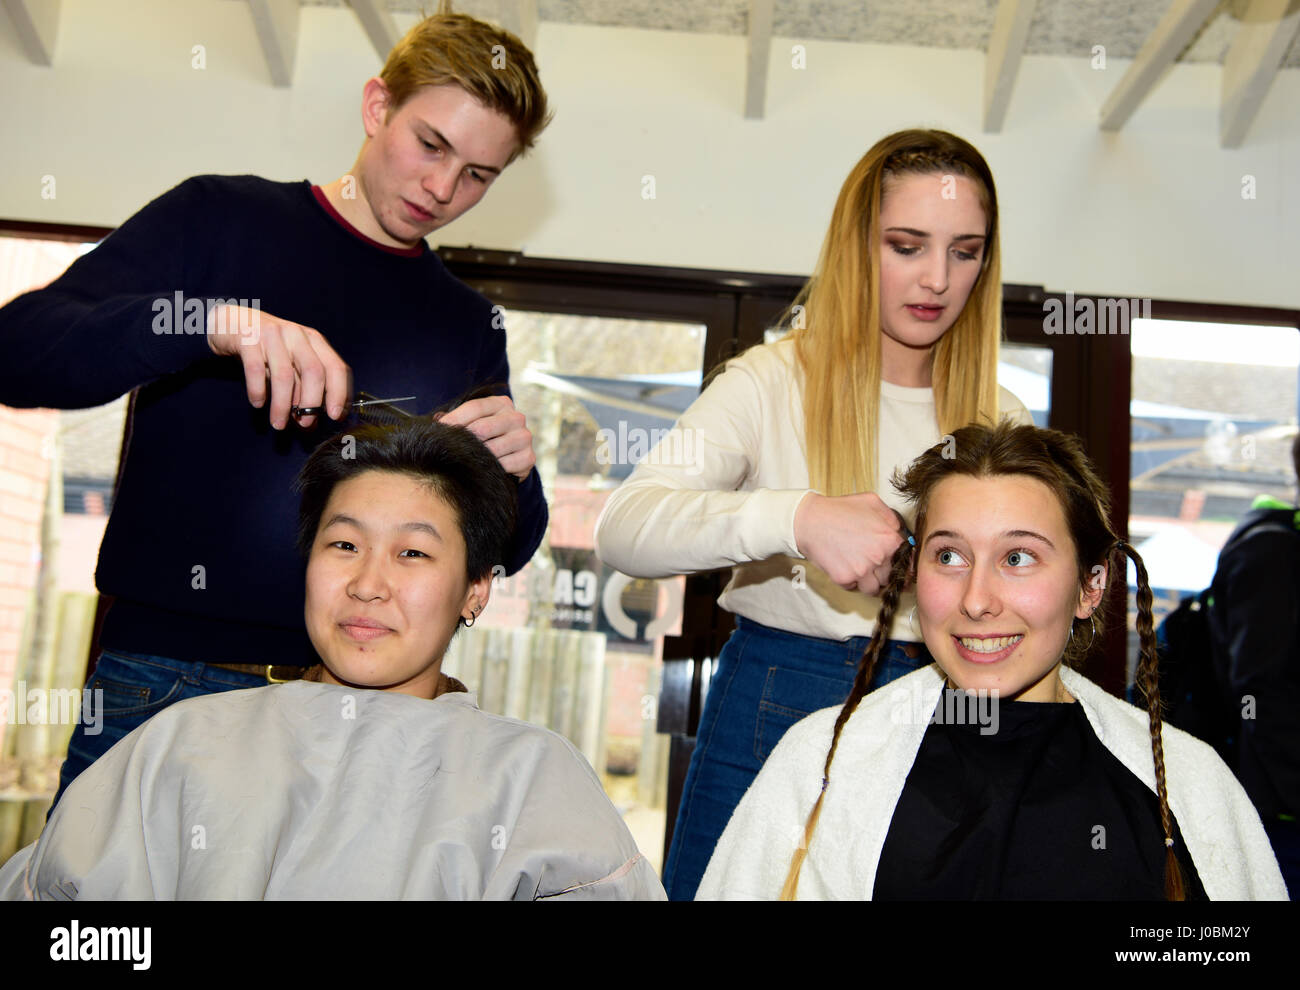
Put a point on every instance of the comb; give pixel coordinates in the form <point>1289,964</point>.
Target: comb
<point>367,408</point>
<point>381,412</point>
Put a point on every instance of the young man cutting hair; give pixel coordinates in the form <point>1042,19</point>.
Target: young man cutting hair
<point>230,302</point>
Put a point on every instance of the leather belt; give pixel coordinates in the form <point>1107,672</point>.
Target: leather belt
<point>286,672</point>
<point>446,683</point>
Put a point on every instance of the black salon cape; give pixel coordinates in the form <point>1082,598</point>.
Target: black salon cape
<point>1038,809</point>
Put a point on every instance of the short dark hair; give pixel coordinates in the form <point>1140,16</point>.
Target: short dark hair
<point>450,459</point>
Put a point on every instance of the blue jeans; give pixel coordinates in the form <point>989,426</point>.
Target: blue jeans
<point>137,686</point>
<point>764,681</point>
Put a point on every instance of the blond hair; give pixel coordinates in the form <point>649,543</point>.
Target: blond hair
<point>837,335</point>
<point>488,63</point>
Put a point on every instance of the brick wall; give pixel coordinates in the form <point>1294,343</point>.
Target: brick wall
<point>26,438</point>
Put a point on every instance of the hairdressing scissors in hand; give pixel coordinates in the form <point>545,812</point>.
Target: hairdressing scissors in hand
<point>364,400</point>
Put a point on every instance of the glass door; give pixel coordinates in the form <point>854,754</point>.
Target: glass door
<point>568,642</point>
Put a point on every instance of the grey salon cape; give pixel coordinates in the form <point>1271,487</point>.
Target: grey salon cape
<point>306,790</point>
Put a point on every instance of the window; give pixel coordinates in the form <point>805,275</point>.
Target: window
<point>569,642</point>
<point>1213,416</point>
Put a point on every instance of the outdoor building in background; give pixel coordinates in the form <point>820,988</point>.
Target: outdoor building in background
<point>1214,414</point>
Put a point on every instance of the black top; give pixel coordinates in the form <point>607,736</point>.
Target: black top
<point>199,548</point>
<point>1025,806</point>
<point>1255,619</point>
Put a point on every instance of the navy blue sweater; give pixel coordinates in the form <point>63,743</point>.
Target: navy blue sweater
<point>206,482</point>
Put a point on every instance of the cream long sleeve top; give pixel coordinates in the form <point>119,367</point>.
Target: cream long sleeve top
<point>722,488</point>
<point>876,751</point>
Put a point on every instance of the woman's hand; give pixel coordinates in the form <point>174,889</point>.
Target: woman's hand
<point>850,537</point>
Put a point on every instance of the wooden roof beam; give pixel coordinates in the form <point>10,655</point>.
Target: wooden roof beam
<point>757,55</point>
<point>1265,34</point>
<point>1166,42</point>
<point>276,22</point>
<point>1002,61</point>
<point>519,17</point>
<point>378,24</point>
<point>37,24</point>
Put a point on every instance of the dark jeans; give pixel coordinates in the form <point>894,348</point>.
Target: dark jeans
<point>135,687</point>
<point>765,680</point>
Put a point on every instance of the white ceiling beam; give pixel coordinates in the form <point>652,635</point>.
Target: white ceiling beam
<point>1265,34</point>
<point>519,17</point>
<point>758,54</point>
<point>277,29</point>
<point>37,24</point>
<point>378,24</point>
<point>1002,61</point>
<point>1165,43</point>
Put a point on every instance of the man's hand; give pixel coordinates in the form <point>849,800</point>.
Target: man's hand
<point>299,364</point>
<point>495,420</point>
<point>850,537</point>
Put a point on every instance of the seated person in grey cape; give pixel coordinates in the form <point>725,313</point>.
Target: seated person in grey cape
<point>376,776</point>
<point>999,772</point>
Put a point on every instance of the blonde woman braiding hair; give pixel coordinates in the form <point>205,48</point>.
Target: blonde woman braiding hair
<point>895,344</point>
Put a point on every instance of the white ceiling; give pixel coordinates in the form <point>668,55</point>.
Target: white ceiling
<point>1059,27</point>
<point>1252,39</point>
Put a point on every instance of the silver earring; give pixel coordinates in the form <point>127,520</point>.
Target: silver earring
<point>911,621</point>
<point>1092,622</point>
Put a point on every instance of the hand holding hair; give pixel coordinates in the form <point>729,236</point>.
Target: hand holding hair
<point>850,537</point>
<point>503,428</point>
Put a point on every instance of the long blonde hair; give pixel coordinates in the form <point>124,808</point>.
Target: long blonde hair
<point>837,327</point>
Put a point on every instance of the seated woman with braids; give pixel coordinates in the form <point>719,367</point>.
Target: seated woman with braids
<point>377,776</point>
<point>999,772</point>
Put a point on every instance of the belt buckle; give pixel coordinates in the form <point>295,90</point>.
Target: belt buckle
<point>275,680</point>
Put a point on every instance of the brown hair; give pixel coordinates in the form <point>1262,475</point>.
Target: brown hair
<point>1058,461</point>
<point>837,325</point>
<point>488,63</point>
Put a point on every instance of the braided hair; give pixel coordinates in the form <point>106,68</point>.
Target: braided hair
<point>1058,461</point>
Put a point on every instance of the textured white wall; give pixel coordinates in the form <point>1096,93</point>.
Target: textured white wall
<point>1155,210</point>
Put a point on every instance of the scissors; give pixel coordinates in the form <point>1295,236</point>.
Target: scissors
<point>364,399</point>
